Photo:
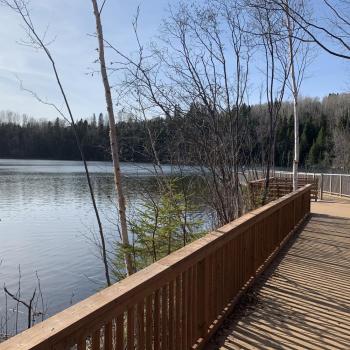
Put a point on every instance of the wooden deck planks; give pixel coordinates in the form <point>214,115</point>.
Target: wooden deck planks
<point>303,299</point>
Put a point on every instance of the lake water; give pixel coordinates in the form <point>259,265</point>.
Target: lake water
<point>47,223</point>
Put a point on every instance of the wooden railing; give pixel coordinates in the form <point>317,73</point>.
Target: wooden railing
<point>303,179</point>
<point>334,184</point>
<point>281,185</point>
<point>179,301</point>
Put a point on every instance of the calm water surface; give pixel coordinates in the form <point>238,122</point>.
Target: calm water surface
<point>47,223</point>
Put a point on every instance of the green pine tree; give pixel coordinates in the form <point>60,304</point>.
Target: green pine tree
<point>317,151</point>
<point>163,225</point>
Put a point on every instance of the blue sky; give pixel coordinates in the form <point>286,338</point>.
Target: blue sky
<point>71,22</point>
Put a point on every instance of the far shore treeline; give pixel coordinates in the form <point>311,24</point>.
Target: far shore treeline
<point>324,135</point>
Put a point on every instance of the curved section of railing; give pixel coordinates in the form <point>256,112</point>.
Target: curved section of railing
<point>334,184</point>
<point>179,301</point>
<point>280,185</point>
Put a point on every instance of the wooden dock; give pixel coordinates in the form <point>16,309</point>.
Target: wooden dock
<point>303,300</point>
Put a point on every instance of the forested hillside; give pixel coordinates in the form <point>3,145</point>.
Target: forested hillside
<point>324,135</point>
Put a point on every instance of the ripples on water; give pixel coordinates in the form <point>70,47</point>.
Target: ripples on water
<point>46,221</point>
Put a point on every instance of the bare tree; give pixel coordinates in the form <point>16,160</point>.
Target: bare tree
<point>35,306</point>
<point>268,28</point>
<point>331,31</point>
<point>298,60</point>
<point>297,47</point>
<point>113,138</point>
<point>199,72</point>
<point>295,97</point>
<point>37,41</point>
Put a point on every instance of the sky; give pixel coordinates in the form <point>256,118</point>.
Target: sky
<point>70,23</point>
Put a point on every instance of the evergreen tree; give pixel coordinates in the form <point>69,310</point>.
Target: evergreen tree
<point>316,154</point>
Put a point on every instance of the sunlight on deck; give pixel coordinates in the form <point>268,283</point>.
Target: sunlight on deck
<point>330,205</point>
<point>303,299</point>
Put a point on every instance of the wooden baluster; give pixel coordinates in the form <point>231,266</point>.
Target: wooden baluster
<point>96,340</point>
<point>131,328</point>
<point>171,315</point>
<point>178,312</point>
<point>294,214</point>
<point>81,345</point>
<point>194,304</point>
<point>341,186</point>
<point>183,311</point>
<point>141,325</point>
<point>156,318</point>
<point>120,332</point>
<point>149,322</point>
<point>235,271</point>
<point>108,336</point>
<point>226,273</point>
<point>240,264</point>
<point>220,285</point>
<point>164,303</point>
<point>206,292</point>
<point>212,288</point>
<point>189,307</point>
<point>216,281</point>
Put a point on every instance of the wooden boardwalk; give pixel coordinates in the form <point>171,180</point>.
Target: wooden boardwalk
<point>303,300</point>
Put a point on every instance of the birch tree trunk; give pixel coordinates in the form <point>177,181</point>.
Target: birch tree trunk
<point>113,142</point>
<point>295,98</point>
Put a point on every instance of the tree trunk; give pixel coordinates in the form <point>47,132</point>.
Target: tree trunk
<point>113,143</point>
<point>296,144</point>
<point>295,99</point>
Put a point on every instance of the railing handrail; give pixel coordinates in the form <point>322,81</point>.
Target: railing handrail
<point>309,173</point>
<point>126,292</point>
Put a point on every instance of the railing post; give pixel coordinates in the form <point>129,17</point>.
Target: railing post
<point>294,213</point>
<point>309,202</point>
<point>330,184</point>
<point>321,186</point>
<point>279,235</point>
<point>341,186</point>
<point>308,197</point>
